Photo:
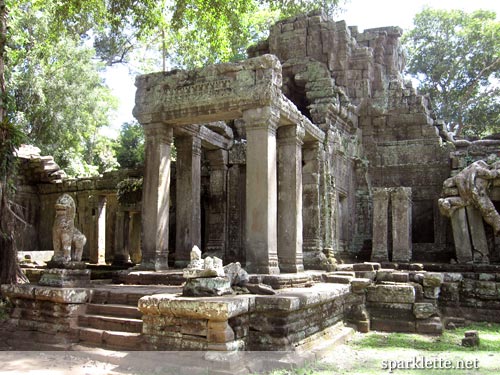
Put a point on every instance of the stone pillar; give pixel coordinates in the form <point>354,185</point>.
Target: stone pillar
<point>134,237</point>
<point>98,240</point>
<point>290,198</point>
<point>111,209</point>
<point>478,235</point>
<point>401,224</point>
<point>217,210</point>
<point>380,251</point>
<point>261,191</point>
<point>313,156</point>
<point>461,235</point>
<point>121,253</point>
<point>155,197</point>
<point>187,211</point>
<point>101,231</point>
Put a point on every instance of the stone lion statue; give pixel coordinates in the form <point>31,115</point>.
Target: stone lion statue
<point>67,240</point>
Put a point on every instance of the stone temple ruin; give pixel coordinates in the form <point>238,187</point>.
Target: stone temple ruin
<point>313,164</point>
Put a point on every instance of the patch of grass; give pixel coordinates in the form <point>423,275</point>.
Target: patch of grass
<point>489,335</point>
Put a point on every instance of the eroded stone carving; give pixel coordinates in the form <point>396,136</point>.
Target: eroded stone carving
<point>68,241</point>
<point>473,184</point>
<point>198,268</point>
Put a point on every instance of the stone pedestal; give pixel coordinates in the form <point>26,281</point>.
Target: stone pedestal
<point>261,191</point>
<point>65,278</point>
<point>155,197</point>
<point>461,235</point>
<point>188,212</point>
<point>290,198</point>
<point>380,251</point>
<point>401,224</point>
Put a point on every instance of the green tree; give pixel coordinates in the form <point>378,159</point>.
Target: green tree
<point>130,145</point>
<point>456,58</point>
<point>222,25</point>
<point>59,99</point>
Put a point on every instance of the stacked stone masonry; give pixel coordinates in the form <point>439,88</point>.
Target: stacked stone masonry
<point>318,98</point>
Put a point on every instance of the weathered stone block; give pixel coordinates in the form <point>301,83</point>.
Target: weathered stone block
<point>424,310</point>
<point>452,277</point>
<point>486,277</point>
<point>391,293</point>
<point>486,289</point>
<point>359,285</point>
<point>431,326</point>
<point>363,267</point>
<point>431,292</point>
<point>450,291</point>
<point>401,277</point>
<point>433,279</point>
<point>207,287</point>
<point>220,332</point>
<point>392,325</point>
<point>366,275</point>
<point>385,275</point>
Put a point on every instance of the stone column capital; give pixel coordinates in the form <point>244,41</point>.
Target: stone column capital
<point>186,142</point>
<point>159,131</point>
<point>291,134</point>
<point>263,117</point>
<point>217,159</point>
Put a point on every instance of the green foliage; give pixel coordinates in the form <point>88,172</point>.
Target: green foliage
<point>130,146</point>
<point>59,99</point>
<point>10,138</point>
<point>129,190</point>
<point>456,58</point>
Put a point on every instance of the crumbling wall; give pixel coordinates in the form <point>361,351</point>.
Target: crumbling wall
<point>332,70</point>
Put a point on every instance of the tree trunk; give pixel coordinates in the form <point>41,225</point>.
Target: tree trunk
<point>10,272</point>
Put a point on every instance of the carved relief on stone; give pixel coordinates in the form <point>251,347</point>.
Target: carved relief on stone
<point>467,204</point>
<point>67,240</point>
<point>473,184</point>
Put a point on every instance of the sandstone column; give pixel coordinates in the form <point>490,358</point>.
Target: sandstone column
<point>155,197</point>
<point>478,235</point>
<point>121,252</point>
<point>290,198</point>
<point>461,235</point>
<point>217,215</point>
<point>313,156</point>
<point>261,191</point>
<point>380,251</point>
<point>188,211</point>
<point>134,237</point>
<point>401,224</point>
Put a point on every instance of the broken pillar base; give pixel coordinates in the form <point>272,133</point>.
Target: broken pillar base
<point>207,287</point>
<point>65,278</point>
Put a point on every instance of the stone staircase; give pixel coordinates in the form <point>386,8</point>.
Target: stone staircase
<point>111,320</point>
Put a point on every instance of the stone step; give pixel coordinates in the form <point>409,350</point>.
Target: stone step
<point>110,323</point>
<point>121,311</point>
<point>110,338</point>
<point>115,298</point>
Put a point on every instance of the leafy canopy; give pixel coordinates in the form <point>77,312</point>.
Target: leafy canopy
<point>456,58</point>
<point>57,97</point>
<point>130,146</point>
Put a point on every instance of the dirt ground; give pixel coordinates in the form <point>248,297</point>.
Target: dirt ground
<point>341,359</point>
